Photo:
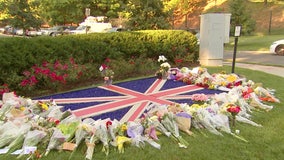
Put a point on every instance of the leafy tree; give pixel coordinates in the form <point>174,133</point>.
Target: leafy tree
<point>21,13</point>
<point>147,14</point>
<point>62,12</point>
<point>241,17</point>
<point>181,9</point>
<point>108,8</point>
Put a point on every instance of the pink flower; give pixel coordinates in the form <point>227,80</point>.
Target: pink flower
<point>106,78</point>
<point>26,73</point>
<point>24,82</point>
<point>45,64</point>
<point>45,71</point>
<point>37,70</point>
<point>107,60</point>
<point>33,80</point>
<point>72,61</point>
<point>103,67</point>
<point>199,97</point>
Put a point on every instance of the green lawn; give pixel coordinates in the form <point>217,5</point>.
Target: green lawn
<point>253,43</point>
<point>263,142</point>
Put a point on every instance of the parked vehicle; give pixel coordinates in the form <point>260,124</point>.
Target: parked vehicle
<point>114,29</point>
<point>92,24</point>
<point>56,30</point>
<point>79,30</point>
<point>33,32</point>
<point>10,30</point>
<point>277,47</point>
<point>20,32</point>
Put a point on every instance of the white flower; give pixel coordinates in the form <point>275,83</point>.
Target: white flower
<point>165,65</point>
<point>162,58</point>
<point>101,68</point>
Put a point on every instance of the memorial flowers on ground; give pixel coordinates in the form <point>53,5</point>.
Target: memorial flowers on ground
<point>48,123</point>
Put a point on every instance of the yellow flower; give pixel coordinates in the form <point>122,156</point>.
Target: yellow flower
<point>211,86</point>
<point>123,127</point>
<point>120,140</point>
<point>22,108</point>
<point>86,128</point>
<point>223,83</point>
<point>232,78</point>
<point>44,106</point>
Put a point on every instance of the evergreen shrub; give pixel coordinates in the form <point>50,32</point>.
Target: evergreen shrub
<point>134,53</point>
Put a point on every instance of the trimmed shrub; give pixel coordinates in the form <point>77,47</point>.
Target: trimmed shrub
<point>142,47</point>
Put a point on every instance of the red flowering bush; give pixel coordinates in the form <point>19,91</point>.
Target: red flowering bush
<point>51,75</point>
<point>4,89</point>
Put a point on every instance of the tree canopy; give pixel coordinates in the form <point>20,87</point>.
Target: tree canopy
<point>21,13</point>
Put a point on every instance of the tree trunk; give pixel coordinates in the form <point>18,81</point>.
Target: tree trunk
<point>265,2</point>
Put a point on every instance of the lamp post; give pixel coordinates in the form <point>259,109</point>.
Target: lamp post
<point>238,29</point>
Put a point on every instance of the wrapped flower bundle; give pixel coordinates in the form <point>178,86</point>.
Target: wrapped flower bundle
<point>56,140</point>
<point>170,124</point>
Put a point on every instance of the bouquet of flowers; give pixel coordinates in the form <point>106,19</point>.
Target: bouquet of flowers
<point>106,72</point>
<point>68,126</point>
<point>83,130</point>
<point>91,139</point>
<point>91,142</point>
<point>118,133</point>
<point>10,131</point>
<point>135,131</point>
<point>170,124</point>
<point>102,134</point>
<point>234,110</point>
<point>183,121</point>
<point>32,139</point>
<point>162,73</point>
<point>56,140</point>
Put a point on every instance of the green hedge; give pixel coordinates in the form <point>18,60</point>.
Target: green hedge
<point>18,54</point>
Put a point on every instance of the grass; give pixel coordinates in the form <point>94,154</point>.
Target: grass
<point>253,43</point>
<point>264,142</point>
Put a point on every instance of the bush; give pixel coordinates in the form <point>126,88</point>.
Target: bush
<point>134,54</point>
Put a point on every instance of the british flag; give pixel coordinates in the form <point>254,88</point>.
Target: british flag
<point>126,101</point>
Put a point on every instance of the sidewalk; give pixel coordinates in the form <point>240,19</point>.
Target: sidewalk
<point>257,60</point>
<point>279,71</point>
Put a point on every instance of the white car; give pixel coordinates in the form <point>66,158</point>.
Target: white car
<point>79,30</point>
<point>20,32</point>
<point>277,47</point>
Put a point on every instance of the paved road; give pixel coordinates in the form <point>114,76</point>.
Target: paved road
<point>257,60</point>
